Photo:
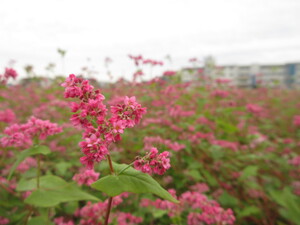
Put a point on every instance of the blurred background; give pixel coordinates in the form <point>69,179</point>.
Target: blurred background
<point>67,36</point>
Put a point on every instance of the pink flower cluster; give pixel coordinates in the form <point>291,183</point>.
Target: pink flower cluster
<point>153,62</point>
<point>137,74</point>
<point>226,144</point>
<point>177,111</point>
<point>220,93</point>
<point>28,163</point>
<point>204,121</point>
<point>295,161</point>
<point>90,114</point>
<point>175,146</point>
<point>22,135</point>
<point>127,219</point>
<point>210,137</point>
<point>296,121</point>
<point>95,213</point>
<point>3,220</point>
<point>86,177</point>
<point>92,213</point>
<point>139,59</point>
<point>153,162</point>
<point>296,187</point>
<point>9,73</point>
<point>222,81</point>
<point>211,212</point>
<point>254,109</point>
<point>136,59</point>
<point>7,116</point>
<point>169,73</point>
<point>63,221</point>
<point>200,187</point>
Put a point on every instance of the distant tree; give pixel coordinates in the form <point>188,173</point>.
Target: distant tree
<point>62,54</point>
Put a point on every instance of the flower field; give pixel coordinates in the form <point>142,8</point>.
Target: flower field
<point>155,152</point>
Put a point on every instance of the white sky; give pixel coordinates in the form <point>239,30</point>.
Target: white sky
<point>234,31</point>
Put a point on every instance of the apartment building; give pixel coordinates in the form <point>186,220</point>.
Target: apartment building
<point>271,75</point>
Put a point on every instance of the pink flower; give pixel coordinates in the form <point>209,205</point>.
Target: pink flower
<point>91,115</point>
<point>7,116</point>
<point>9,72</point>
<point>295,161</point>
<point>3,220</point>
<point>86,177</point>
<point>296,120</point>
<point>254,109</point>
<point>119,126</point>
<point>220,93</point>
<point>169,73</point>
<point>153,162</point>
<point>63,221</point>
<point>27,164</point>
<point>128,219</point>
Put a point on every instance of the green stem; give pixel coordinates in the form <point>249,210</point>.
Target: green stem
<point>125,168</point>
<point>110,198</point>
<point>38,171</point>
<point>28,215</point>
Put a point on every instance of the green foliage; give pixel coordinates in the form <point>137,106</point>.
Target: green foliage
<point>289,202</point>
<point>35,150</point>
<point>228,200</point>
<point>249,171</point>
<point>39,220</point>
<point>249,211</point>
<point>130,180</point>
<point>53,190</point>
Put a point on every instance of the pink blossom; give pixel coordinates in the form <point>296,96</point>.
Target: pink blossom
<point>254,109</point>
<point>128,219</point>
<point>3,220</point>
<point>7,116</point>
<point>296,187</point>
<point>63,221</point>
<point>91,115</point>
<point>22,135</point>
<point>220,93</point>
<point>169,73</point>
<point>28,163</point>
<point>295,161</point>
<point>153,162</point>
<point>200,187</point>
<point>86,177</point>
<point>10,72</point>
<point>296,120</point>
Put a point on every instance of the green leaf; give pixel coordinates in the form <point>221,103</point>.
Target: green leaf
<point>158,213</point>
<point>228,200</point>
<point>40,149</point>
<point>39,220</point>
<point>53,190</point>
<point>249,171</point>
<point>196,175</point>
<point>46,182</point>
<point>289,202</point>
<point>216,152</point>
<point>130,180</point>
<point>62,167</point>
<point>209,178</point>
<point>249,211</point>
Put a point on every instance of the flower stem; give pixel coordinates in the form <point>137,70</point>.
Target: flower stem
<point>110,165</point>
<point>38,171</point>
<point>110,198</point>
<point>125,168</point>
<point>108,210</point>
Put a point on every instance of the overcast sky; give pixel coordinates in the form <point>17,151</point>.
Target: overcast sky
<point>233,31</point>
